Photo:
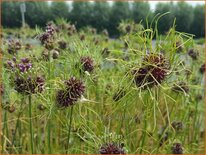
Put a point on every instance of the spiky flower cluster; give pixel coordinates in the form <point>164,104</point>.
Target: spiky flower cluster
<point>87,64</point>
<point>29,85</point>
<point>177,125</point>
<point>71,29</point>
<point>112,148</point>
<point>62,45</point>
<point>153,71</point>
<point>13,46</point>
<point>202,69</point>
<point>177,148</point>
<point>47,37</point>
<point>193,54</point>
<point>74,89</point>
<point>23,66</point>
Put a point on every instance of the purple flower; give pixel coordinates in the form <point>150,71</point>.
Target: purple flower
<point>25,60</point>
<point>28,66</point>
<point>22,67</point>
<point>10,63</point>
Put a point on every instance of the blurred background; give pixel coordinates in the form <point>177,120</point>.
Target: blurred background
<point>189,15</point>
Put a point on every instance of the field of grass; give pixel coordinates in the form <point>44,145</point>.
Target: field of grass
<point>68,91</point>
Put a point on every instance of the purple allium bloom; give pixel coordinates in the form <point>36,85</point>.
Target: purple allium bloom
<point>29,85</point>
<point>87,64</point>
<point>25,60</point>
<point>28,66</point>
<point>44,38</point>
<point>177,148</point>
<point>22,67</point>
<point>14,59</point>
<point>153,71</point>
<point>10,63</point>
<point>112,148</point>
<point>50,29</point>
<point>73,91</point>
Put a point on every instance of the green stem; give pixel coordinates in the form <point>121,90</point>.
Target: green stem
<point>49,122</point>
<point>4,127</point>
<point>70,124</point>
<point>143,135</point>
<point>17,123</point>
<point>30,125</point>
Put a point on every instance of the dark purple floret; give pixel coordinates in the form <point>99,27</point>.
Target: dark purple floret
<point>202,69</point>
<point>73,90</point>
<point>193,54</point>
<point>87,64</point>
<point>29,85</point>
<point>25,60</point>
<point>112,148</point>
<point>177,148</point>
<point>153,71</point>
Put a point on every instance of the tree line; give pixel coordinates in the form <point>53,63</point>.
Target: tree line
<point>104,15</point>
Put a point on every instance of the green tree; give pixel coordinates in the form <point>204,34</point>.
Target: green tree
<point>119,11</point>
<point>59,10</point>
<point>140,11</point>
<point>100,15</point>
<point>166,21</point>
<point>184,16</point>
<point>11,15</point>
<point>198,24</point>
<point>81,13</point>
<point>37,13</point>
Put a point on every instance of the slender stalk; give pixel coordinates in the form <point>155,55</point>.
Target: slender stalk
<point>49,122</point>
<point>70,124</point>
<point>4,127</point>
<point>30,125</point>
<point>143,135</point>
<point>17,123</point>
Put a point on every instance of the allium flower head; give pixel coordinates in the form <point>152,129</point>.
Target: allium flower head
<point>29,85</point>
<point>112,148</point>
<point>13,46</point>
<point>177,148</point>
<point>202,69</point>
<point>153,71</point>
<point>62,45</point>
<point>73,90</point>
<point>87,64</point>
<point>50,29</point>
<point>193,54</point>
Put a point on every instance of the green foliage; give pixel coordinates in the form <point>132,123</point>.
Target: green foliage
<point>197,27</point>
<point>167,21</point>
<point>184,16</point>
<point>81,13</point>
<point>104,15</point>
<point>59,10</point>
<point>37,13</point>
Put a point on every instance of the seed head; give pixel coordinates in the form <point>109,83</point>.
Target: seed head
<point>193,54</point>
<point>202,69</point>
<point>87,64</point>
<point>29,85</point>
<point>153,71</point>
<point>73,90</point>
<point>177,148</point>
<point>112,148</point>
